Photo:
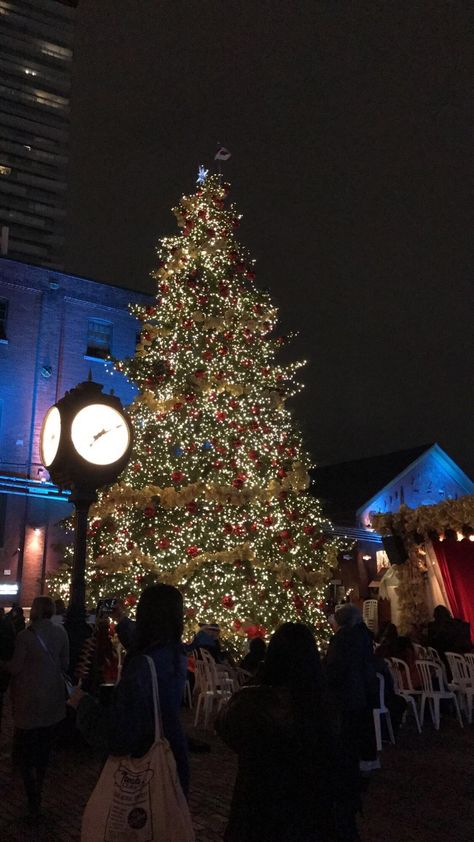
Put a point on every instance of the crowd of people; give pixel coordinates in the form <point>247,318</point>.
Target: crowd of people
<point>302,726</point>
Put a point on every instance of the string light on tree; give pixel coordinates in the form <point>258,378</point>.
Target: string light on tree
<point>215,497</point>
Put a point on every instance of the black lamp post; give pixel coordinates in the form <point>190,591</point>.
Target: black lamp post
<point>86,440</point>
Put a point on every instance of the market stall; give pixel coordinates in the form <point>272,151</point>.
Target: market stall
<point>439,565</point>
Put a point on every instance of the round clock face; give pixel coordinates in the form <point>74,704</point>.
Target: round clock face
<point>50,435</point>
<point>100,434</point>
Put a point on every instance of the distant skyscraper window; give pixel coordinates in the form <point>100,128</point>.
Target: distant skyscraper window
<point>99,338</point>
<point>36,51</point>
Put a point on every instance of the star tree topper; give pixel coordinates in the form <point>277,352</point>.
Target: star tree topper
<point>202,174</point>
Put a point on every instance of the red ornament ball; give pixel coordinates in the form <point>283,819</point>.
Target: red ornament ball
<point>298,602</point>
<point>177,476</point>
<point>164,543</point>
<point>256,631</point>
<point>130,600</point>
<point>227,601</point>
<point>192,551</point>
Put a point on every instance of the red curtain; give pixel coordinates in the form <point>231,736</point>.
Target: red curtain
<point>456,562</point>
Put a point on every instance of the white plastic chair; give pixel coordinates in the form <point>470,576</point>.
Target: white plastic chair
<point>469,658</point>
<point>213,687</point>
<point>401,680</point>
<point>429,670</point>
<point>421,654</point>
<point>433,655</point>
<point>382,710</point>
<point>370,614</point>
<point>461,681</point>
<point>224,681</point>
<point>188,696</point>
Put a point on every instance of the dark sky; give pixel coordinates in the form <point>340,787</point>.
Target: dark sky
<point>349,126</point>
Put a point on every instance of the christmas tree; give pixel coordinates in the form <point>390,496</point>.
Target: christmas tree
<point>214,499</point>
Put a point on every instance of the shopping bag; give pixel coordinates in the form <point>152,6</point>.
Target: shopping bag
<point>139,799</point>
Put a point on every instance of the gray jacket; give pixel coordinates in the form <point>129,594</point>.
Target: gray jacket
<point>37,685</point>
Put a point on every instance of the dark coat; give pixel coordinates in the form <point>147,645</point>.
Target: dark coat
<point>7,645</point>
<point>350,668</point>
<point>286,776</point>
<point>126,726</point>
<point>451,635</point>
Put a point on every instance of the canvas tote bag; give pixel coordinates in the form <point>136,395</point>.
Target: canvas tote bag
<point>139,799</point>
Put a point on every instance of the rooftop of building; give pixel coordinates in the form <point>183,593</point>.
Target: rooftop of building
<point>18,266</point>
<point>345,486</point>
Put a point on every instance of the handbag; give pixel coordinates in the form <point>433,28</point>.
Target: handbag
<point>139,799</point>
<point>68,685</point>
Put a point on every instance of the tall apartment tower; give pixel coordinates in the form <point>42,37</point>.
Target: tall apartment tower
<point>36,50</point>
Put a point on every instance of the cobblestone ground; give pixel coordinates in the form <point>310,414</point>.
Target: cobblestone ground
<point>424,792</point>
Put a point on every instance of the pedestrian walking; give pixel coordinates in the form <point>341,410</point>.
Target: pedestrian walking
<point>37,691</point>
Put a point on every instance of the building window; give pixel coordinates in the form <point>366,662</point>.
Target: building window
<point>99,339</point>
<point>3,318</point>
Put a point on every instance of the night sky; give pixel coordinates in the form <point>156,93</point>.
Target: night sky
<point>349,127</point>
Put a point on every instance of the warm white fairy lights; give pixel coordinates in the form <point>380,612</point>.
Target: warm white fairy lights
<point>214,498</point>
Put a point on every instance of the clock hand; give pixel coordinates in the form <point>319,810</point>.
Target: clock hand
<point>98,436</point>
<point>104,433</point>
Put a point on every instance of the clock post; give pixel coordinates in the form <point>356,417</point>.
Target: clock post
<point>86,440</point>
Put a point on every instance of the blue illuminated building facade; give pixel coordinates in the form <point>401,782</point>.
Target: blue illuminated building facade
<point>54,328</point>
<point>350,491</point>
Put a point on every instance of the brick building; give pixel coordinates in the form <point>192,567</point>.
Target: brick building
<point>54,328</point>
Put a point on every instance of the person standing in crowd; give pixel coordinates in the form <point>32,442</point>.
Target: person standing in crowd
<point>126,726</point>
<point>17,619</point>
<point>387,641</point>
<point>38,695</point>
<point>124,626</point>
<point>7,645</point>
<point>448,634</point>
<point>291,785</point>
<point>60,615</point>
<point>208,638</point>
<point>253,660</point>
<point>353,684</point>
<point>125,630</point>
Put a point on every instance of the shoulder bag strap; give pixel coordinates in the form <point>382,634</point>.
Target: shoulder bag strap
<point>156,700</point>
<point>43,644</point>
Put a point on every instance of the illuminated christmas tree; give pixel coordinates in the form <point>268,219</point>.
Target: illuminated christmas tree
<point>215,496</point>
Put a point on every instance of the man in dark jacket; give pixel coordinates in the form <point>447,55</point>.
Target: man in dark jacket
<point>352,682</point>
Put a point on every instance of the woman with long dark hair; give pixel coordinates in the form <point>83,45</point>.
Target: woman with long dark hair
<point>288,772</point>
<point>127,726</point>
